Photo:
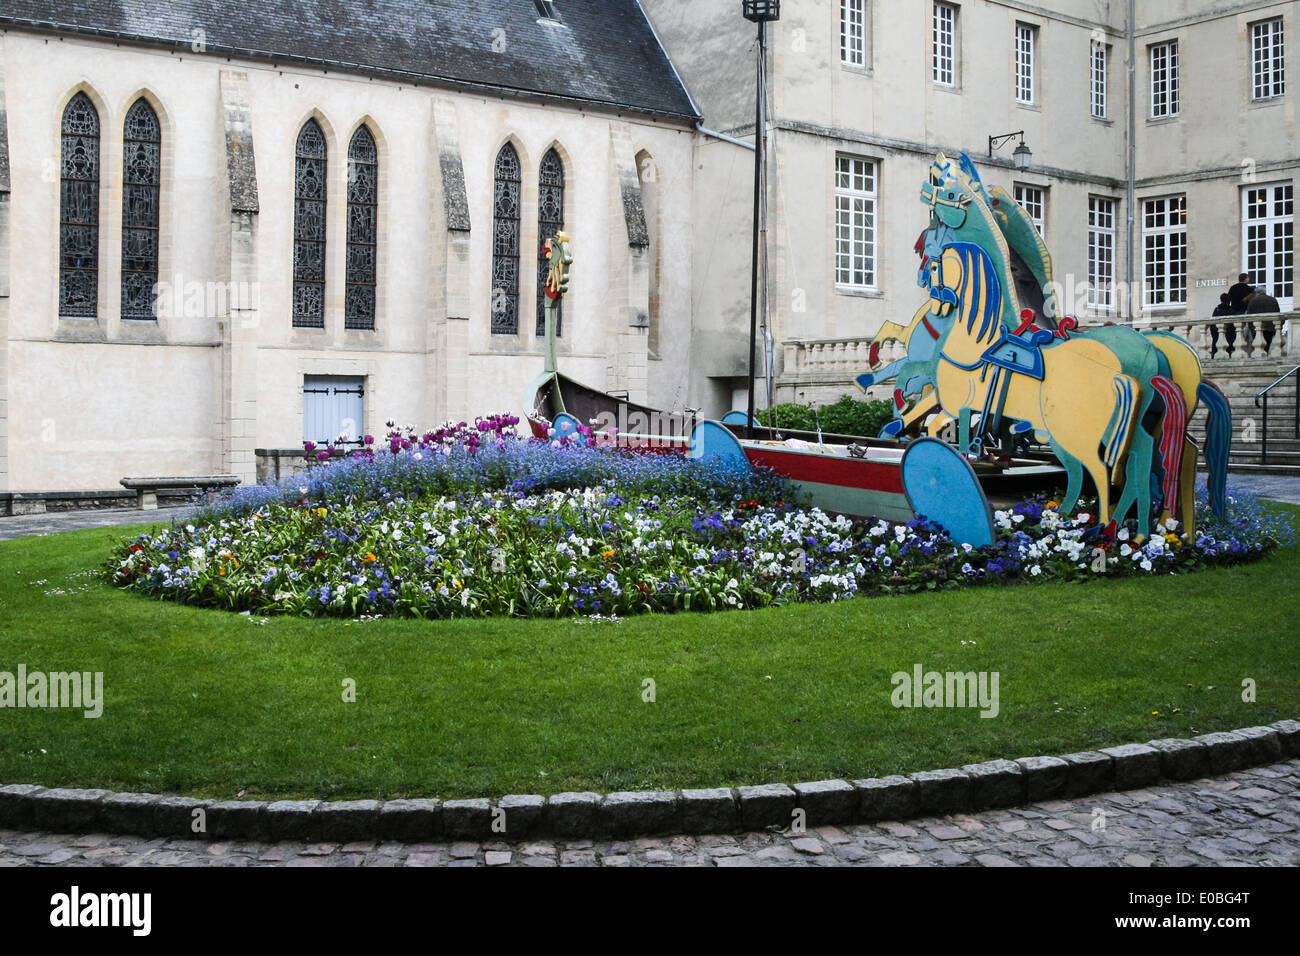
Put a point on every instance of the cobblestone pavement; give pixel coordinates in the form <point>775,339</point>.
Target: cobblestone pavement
<point>1249,818</point>
<point>18,526</point>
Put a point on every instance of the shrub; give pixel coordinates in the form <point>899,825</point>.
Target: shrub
<point>847,416</point>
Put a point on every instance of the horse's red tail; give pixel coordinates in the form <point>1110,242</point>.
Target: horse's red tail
<point>1172,431</point>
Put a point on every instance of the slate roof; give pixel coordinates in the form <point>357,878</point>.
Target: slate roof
<point>604,55</point>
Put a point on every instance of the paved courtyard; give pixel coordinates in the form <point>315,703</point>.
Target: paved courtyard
<point>1277,487</point>
<point>1249,818</point>
<point>19,526</point>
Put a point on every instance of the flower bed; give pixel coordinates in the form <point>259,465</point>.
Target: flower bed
<point>440,526</point>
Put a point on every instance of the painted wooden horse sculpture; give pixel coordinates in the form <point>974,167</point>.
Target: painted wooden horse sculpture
<point>1164,372</point>
<point>954,217</point>
<point>1162,460</point>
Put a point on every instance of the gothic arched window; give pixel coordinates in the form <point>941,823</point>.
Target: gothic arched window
<point>309,228</point>
<point>141,182</point>
<point>363,209</point>
<point>505,243</point>
<point>550,220</point>
<point>79,210</point>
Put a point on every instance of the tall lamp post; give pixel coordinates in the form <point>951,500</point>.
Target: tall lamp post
<point>761,12</point>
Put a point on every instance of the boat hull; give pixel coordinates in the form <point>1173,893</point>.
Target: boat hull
<point>862,487</point>
<point>618,422</point>
<point>823,472</point>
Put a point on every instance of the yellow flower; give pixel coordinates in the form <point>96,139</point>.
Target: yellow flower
<point>321,512</point>
<point>1177,710</point>
<point>1172,539</point>
<point>1155,713</point>
<point>609,554</point>
<point>370,558</point>
<point>457,583</point>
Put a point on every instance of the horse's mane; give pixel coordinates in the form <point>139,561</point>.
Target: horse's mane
<point>977,268</point>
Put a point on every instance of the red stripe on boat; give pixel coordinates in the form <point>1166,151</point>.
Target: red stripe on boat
<point>831,469</point>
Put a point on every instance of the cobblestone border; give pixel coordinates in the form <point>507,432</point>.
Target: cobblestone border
<point>974,787</point>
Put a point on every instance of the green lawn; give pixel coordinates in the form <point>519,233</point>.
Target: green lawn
<point>207,703</point>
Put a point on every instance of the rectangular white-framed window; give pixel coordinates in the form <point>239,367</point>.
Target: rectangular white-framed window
<point>1268,240</point>
<point>333,409</point>
<point>1267,66</point>
<point>1033,200</point>
<point>855,223</point>
<point>853,33</point>
<point>1164,251</point>
<point>945,44</point>
<point>1101,252</point>
<point>1098,59</point>
<point>1164,79</point>
<point>1026,36</point>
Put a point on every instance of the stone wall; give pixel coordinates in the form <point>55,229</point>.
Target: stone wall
<point>220,373</point>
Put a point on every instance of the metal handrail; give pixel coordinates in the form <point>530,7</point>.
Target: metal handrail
<point>1263,393</point>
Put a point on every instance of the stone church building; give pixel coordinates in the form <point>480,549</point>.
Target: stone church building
<point>340,205</point>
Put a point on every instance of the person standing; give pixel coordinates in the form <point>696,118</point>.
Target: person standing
<point>1261,302</point>
<point>1238,294</point>
<point>1224,308</point>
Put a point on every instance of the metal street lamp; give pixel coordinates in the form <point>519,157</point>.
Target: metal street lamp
<point>761,12</point>
<point>1022,154</point>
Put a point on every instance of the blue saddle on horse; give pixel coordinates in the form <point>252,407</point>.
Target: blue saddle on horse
<point>1019,353</point>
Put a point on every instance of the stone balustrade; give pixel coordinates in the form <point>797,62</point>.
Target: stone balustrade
<point>834,357</point>
<point>1262,338</point>
<point>1259,338</point>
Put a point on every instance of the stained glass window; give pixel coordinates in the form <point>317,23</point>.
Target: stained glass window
<point>550,220</point>
<point>79,210</point>
<point>505,243</point>
<point>363,207</point>
<point>309,229</point>
<point>141,181</point>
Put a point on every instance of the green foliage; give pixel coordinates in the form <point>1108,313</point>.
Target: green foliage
<point>847,416</point>
<point>209,704</point>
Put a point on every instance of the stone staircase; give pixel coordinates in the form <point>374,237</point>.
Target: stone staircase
<point>1250,453</point>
